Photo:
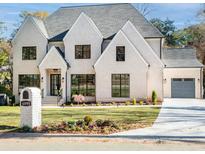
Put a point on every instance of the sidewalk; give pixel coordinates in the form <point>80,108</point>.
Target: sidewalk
<point>113,106</point>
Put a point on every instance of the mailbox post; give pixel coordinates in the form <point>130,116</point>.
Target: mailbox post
<point>30,106</point>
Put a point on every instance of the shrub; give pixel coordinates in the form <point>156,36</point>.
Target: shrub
<point>79,98</point>
<point>62,125</point>
<point>154,96</point>
<point>155,103</point>
<point>134,101</point>
<point>99,122</point>
<point>141,102</point>
<point>108,123</point>
<point>88,120</point>
<point>44,128</point>
<point>80,123</point>
<point>113,103</point>
<point>78,129</point>
<point>26,129</point>
<point>71,123</point>
<point>127,103</point>
<point>98,103</point>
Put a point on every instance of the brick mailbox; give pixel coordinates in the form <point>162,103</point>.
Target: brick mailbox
<point>30,106</point>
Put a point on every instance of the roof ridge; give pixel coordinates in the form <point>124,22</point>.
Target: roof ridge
<point>91,5</point>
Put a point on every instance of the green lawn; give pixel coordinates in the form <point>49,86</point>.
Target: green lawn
<point>127,116</point>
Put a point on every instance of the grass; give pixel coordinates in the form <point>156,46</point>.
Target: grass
<point>126,117</point>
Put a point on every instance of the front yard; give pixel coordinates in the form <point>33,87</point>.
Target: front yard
<point>125,117</point>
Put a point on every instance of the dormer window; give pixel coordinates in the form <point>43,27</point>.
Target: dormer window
<point>120,53</point>
<point>82,51</point>
<point>29,53</point>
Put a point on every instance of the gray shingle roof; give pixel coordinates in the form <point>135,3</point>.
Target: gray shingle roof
<point>180,57</point>
<point>109,18</point>
<point>62,55</point>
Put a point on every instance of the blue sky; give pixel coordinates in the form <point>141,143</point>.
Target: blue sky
<point>182,14</point>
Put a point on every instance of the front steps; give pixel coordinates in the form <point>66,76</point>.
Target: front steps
<point>49,101</point>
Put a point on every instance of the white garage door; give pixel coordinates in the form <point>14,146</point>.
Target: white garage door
<point>183,88</point>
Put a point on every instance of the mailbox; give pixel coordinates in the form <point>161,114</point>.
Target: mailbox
<point>30,106</point>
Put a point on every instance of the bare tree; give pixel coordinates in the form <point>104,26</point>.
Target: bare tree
<point>143,8</point>
<point>201,12</point>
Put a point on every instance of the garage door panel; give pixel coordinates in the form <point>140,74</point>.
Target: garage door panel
<point>183,88</point>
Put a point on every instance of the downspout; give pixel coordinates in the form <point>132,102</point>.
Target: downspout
<point>160,49</point>
<point>147,82</point>
<point>201,82</point>
<point>66,86</point>
<point>163,83</point>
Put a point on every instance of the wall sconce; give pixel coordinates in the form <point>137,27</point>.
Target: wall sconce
<point>62,79</point>
<point>198,79</point>
<point>41,79</point>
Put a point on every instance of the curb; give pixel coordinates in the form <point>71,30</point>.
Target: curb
<point>195,139</point>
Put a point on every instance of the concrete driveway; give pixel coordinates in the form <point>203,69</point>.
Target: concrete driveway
<point>178,117</point>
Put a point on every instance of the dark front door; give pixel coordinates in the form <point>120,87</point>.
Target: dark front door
<point>55,84</point>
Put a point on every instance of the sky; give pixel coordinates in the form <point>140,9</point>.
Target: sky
<point>183,14</point>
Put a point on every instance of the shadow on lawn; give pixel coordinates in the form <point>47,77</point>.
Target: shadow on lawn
<point>7,129</point>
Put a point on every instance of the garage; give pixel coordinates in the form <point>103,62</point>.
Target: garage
<point>183,88</point>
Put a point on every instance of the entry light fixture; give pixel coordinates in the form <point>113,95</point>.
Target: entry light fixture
<point>41,79</point>
<point>62,79</point>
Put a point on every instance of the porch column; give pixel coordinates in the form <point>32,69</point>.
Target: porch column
<point>43,82</point>
<point>63,83</point>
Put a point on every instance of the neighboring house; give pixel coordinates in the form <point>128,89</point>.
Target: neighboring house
<point>105,52</point>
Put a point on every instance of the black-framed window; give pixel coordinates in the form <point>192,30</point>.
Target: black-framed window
<point>83,84</point>
<point>120,53</point>
<point>29,80</point>
<point>82,51</point>
<point>29,53</point>
<point>120,85</point>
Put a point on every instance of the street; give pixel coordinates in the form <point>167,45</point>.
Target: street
<point>88,144</point>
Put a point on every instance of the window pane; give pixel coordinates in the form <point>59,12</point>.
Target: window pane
<point>82,51</point>
<point>78,52</point>
<point>120,53</point>
<point>86,51</point>
<point>29,53</point>
<point>90,85</point>
<point>83,84</point>
<point>120,85</point>
<point>116,85</point>
<point>29,80</point>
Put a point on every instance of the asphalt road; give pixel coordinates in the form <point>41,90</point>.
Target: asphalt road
<point>92,144</point>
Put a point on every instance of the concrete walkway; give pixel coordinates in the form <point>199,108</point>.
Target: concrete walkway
<point>178,117</point>
<point>97,107</point>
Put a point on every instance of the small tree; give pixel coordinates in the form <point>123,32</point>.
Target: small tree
<point>154,96</point>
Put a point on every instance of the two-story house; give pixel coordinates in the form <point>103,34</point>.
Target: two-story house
<point>105,52</point>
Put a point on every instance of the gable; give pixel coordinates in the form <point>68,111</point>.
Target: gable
<point>53,59</point>
<point>140,43</point>
<point>82,26</point>
<point>31,24</point>
<point>132,55</point>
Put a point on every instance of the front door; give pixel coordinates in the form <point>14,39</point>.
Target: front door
<point>55,84</point>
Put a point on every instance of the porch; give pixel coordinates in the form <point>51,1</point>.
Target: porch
<point>53,73</point>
